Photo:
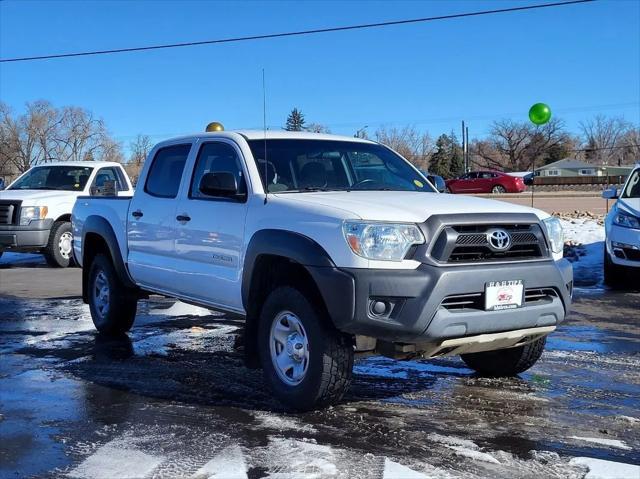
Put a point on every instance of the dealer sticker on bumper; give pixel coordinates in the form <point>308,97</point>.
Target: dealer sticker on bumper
<point>503,294</point>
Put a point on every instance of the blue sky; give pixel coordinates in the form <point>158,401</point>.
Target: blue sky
<point>581,60</point>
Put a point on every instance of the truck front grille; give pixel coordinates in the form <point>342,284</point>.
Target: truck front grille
<point>8,212</point>
<point>532,296</point>
<point>470,243</point>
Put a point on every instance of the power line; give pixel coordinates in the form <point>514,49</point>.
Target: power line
<point>295,33</point>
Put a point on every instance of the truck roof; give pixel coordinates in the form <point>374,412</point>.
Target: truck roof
<point>92,164</point>
<point>271,135</point>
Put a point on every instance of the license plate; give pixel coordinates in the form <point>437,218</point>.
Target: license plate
<point>503,294</point>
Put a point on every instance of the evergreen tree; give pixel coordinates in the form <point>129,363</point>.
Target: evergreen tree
<point>295,121</point>
<point>440,160</point>
<point>456,158</point>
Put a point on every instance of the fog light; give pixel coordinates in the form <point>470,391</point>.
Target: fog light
<point>379,308</point>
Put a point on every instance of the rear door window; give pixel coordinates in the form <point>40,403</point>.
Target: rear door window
<point>165,173</point>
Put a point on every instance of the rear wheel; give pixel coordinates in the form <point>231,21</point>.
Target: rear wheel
<point>57,253</point>
<point>498,189</point>
<point>506,362</point>
<point>112,304</point>
<point>447,190</point>
<point>306,362</point>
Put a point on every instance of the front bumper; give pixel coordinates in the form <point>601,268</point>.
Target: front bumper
<point>25,238</point>
<point>626,251</point>
<point>416,297</point>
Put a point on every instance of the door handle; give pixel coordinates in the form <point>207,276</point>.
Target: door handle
<point>137,214</point>
<point>183,218</point>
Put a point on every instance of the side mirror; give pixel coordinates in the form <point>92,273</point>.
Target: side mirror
<point>610,194</point>
<point>220,183</point>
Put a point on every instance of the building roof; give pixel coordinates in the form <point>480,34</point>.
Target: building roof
<point>568,164</point>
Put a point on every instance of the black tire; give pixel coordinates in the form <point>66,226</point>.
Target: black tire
<point>121,303</point>
<point>613,274</point>
<point>498,190</point>
<point>330,353</point>
<point>56,253</point>
<point>506,362</point>
<point>448,190</point>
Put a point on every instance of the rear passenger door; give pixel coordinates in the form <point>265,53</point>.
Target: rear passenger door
<point>210,230</point>
<point>151,225</point>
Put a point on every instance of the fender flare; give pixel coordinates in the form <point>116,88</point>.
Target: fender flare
<point>100,226</point>
<point>294,246</point>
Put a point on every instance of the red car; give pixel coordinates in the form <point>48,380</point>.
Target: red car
<point>486,182</point>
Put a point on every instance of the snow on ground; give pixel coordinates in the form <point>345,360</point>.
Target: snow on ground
<point>227,464</point>
<point>606,442</point>
<point>393,470</point>
<point>182,309</point>
<point>587,256</point>
<point>116,460</point>
<point>600,469</point>
<point>464,448</point>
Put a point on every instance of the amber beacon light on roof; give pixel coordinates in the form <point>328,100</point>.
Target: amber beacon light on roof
<point>214,126</point>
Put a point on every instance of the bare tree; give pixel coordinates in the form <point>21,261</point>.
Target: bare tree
<point>44,133</point>
<point>80,136</point>
<point>409,142</point>
<point>630,146</point>
<point>140,148</point>
<point>602,137</point>
<point>514,146</point>
<point>317,128</point>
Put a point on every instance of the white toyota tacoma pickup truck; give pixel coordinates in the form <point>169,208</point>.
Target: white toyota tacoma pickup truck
<point>35,210</point>
<point>327,246</point>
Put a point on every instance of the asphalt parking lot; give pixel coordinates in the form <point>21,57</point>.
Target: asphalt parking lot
<point>173,399</point>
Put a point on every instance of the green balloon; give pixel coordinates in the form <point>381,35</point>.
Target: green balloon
<point>539,114</point>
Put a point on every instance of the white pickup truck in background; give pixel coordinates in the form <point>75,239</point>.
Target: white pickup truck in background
<point>327,246</point>
<point>35,210</point>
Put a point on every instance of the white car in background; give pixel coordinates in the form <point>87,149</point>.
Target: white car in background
<point>622,228</point>
<point>35,210</point>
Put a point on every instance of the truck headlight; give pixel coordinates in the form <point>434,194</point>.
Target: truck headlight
<point>625,220</point>
<point>28,213</point>
<point>381,241</point>
<point>556,236</point>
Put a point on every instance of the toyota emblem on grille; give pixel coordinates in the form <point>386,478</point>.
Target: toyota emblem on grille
<point>499,239</point>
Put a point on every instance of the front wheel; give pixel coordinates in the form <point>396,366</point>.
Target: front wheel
<point>498,190</point>
<point>112,304</point>
<point>506,362</point>
<point>614,275</point>
<point>306,362</point>
<point>57,253</point>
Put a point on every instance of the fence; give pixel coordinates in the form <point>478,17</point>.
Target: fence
<point>579,180</point>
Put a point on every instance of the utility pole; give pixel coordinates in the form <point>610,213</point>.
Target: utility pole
<point>466,153</point>
<point>464,149</point>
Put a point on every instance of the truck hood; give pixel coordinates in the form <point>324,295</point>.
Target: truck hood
<point>39,197</point>
<point>405,206</point>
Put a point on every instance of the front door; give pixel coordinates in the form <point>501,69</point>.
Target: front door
<point>151,225</point>
<point>210,231</point>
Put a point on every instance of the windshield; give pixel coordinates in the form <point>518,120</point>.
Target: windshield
<point>324,165</point>
<point>632,190</point>
<point>67,178</point>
